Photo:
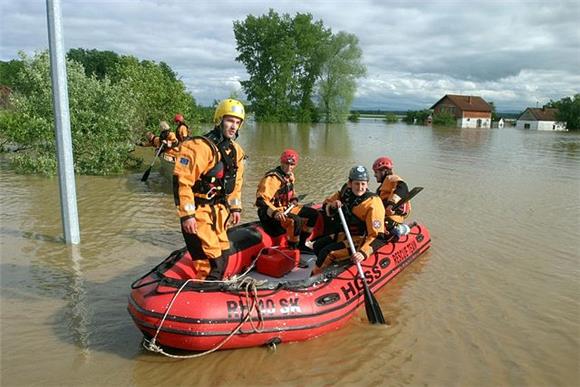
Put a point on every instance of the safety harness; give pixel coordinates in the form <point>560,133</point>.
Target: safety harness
<point>350,201</point>
<point>220,181</point>
<point>285,192</point>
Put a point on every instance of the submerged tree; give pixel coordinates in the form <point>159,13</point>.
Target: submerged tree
<point>286,58</point>
<point>337,85</point>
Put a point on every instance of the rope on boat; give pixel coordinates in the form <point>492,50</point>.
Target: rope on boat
<point>250,286</point>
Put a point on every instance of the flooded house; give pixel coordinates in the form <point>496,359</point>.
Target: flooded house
<point>469,111</point>
<point>540,119</point>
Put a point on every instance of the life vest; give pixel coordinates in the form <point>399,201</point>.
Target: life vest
<point>349,200</point>
<point>182,132</point>
<point>219,181</point>
<point>286,191</point>
<point>386,191</point>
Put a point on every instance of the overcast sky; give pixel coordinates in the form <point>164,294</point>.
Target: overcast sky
<point>515,53</point>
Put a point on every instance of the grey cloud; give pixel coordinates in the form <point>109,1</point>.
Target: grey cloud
<point>514,51</point>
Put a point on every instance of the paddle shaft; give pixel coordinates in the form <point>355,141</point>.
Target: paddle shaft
<point>291,206</point>
<point>410,196</point>
<point>374,313</point>
<point>148,171</point>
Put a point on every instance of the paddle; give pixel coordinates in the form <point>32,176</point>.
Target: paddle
<point>409,196</point>
<point>372,307</point>
<point>291,206</point>
<point>148,171</point>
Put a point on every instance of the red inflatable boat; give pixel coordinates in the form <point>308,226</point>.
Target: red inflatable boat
<point>276,300</point>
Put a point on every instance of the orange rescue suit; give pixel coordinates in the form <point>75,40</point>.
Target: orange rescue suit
<point>200,156</point>
<point>276,191</point>
<point>366,223</point>
<point>387,193</point>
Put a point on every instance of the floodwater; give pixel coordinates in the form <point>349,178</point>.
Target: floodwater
<point>494,302</point>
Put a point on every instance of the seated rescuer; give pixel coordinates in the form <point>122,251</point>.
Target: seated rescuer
<point>207,186</point>
<point>391,190</point>
<point>275,195</point>
<point>364,214</point>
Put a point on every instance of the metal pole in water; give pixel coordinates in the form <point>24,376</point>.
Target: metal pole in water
<point>66,174</point>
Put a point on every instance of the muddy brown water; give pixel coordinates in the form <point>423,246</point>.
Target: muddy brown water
<point>494,302</point>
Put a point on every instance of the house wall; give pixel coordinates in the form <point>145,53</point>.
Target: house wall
<point>541,125</point>
<point>527,124</point>
<point>469,120</point>
<point>551,125</point>
<point>472,122</point>
<point>446,106</point>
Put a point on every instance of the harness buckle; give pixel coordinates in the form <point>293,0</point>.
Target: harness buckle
<point>213,191</point>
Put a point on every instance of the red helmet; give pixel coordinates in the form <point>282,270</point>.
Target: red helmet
<point>178,118</point>
<point>382,163</point>
<point>289,156</point>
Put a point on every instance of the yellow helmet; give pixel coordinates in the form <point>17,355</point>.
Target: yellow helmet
<point>229,107</point>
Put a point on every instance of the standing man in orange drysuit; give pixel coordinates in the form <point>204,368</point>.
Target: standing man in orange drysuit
<point>207,186</point>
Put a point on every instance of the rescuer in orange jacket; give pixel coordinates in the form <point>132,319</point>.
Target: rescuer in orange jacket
<point>391,190</point>
<point>166,138</point>
<point>182,130</point>
<point>364,213</point>
<point>207,187</point>
<point>275,196</point>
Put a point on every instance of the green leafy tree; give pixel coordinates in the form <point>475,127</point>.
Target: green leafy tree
<point>101,64</point>
<point>155,92</point>
<point>267,51</point>
<point>444,119</point>
<point>310,37</point>
<point>9,72</point>
<point>283,57</point>
<point>568,111</point>
<point>337,84</point>
<point>101,115</point>
<point>417,117</point>
<point>391,118</point>
<point>354,117</point>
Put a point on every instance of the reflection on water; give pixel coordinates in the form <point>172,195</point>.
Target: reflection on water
<point>494,302</point>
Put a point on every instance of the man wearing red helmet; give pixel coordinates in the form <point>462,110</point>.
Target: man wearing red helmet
<point>391,190</point>
<point>182,131</point>
<point>274,197</point>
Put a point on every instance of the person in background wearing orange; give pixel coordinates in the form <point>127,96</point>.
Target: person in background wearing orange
<point>182,130</point>
<point>166,138</point>
<point>277,203</point>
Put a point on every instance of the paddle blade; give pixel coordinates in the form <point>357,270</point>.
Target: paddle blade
<point>146,174</point>
<point>373,309</point>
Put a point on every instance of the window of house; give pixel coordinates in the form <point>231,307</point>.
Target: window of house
<point>526,126</point>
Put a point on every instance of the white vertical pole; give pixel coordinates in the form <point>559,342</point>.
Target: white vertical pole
<point>66,174</point>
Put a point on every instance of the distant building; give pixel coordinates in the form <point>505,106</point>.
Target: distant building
<point>470,111</point>
<point>540,119</point>
<point>500,124</point>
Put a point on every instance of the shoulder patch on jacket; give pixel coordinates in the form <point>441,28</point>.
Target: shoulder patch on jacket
<point>183,160</point>
<point>376,224</point>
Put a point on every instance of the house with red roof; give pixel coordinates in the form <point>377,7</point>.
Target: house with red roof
<point>540,119</point>
<point>470,111</point>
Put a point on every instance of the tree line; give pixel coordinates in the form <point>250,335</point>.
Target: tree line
<point>299,71</point>
<point>113,100</point>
